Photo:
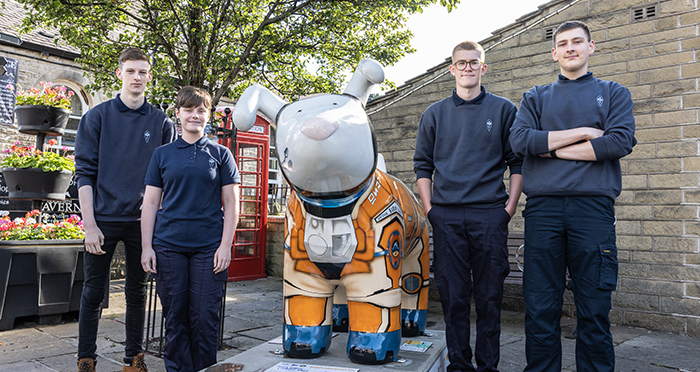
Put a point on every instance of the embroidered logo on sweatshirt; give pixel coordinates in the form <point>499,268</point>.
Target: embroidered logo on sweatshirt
<point>212,163</point>
<point>600,100</point>
<point>489,124</point>
<point>147,136</point>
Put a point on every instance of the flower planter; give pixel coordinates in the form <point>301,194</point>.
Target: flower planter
<point>35,120</point>
<point>41,279</point>
<point>34,183</point>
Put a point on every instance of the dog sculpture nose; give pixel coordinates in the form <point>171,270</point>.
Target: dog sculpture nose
<point>319,128</point>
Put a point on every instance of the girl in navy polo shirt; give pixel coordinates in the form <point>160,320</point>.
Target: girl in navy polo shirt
<point>187,242</point>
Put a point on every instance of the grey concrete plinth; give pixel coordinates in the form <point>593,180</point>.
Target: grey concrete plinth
<point>268,354</point>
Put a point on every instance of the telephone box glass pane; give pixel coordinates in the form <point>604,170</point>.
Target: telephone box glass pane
<point>248,150</point>
<point>249,208</point>
<point>246,223</point>
<point>245,251</point>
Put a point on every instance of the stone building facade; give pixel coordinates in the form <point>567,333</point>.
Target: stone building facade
<point>41,57</point>
<point>651,47</point>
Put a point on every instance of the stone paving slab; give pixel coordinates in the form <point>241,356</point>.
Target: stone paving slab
<point>264,334</point>
<point>69,363</point>
<point>233,324</point>
<point>254,314</point>
<point>31,344</point>
<point>664,349</point>
<point>32,366</point>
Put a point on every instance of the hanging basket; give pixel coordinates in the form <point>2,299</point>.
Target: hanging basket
<point>35,120</point>
<point>34,183</point>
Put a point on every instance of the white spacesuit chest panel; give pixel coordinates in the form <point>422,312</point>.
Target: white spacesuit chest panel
<point>330,240</point>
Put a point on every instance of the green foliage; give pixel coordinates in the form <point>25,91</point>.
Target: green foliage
<point>227,45</point>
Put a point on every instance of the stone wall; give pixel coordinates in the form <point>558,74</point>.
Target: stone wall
<point>274,248</point>
<point>657,212</point>
<point>35,67</point>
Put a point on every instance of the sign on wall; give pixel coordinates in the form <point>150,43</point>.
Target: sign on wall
<point>7,96</point>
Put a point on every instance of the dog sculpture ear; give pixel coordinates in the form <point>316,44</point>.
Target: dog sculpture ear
<point>255,98</point>
<point>367,73</point>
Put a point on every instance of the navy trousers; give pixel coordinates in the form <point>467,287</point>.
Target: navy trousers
<point>190,294</point>
<point>470,256</point>
<point>577,232</point>
<point>97,270</point>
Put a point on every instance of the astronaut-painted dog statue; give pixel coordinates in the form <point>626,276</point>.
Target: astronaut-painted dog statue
<point>347,223</point>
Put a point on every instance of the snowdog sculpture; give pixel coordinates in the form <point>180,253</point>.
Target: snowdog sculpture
<point>347,223</point>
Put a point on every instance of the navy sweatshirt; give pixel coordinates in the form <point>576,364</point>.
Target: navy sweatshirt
<point>191,176</point>
<point>113,146</point>
<point>566,104</point>
<point>463,147</point>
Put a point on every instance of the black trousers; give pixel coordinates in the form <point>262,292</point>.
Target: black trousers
<point>97,269</point>
<point>470,257</point>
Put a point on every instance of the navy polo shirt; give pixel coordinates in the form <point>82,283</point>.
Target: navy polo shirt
<point>191,177</point>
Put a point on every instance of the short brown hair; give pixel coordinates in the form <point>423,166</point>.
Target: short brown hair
<point>132,54</point>
<point>571,25</point>
<point>469,45</point>
<point>190,96</point>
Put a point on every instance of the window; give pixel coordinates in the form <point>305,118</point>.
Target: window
<point>277,186</point>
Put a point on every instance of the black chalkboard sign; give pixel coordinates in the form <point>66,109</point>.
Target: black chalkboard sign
<point>7,96</point>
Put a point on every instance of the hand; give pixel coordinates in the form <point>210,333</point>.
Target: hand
<point>222,259</point>
<point>511,210</point>
<point>94,240</point>
<point>148,260</point>
<point>591,133</point>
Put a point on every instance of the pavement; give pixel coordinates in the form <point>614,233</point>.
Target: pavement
<point>253,315</point>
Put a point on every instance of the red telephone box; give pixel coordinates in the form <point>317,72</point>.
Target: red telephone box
<point>251,150</point>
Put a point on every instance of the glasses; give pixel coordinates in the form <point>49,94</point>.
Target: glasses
<point>473,64</point>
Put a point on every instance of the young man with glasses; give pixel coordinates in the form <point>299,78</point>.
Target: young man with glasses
<point>571,134</point>
<point>462,152</point>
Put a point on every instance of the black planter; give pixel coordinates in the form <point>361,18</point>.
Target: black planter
<point>33,119</point>
<point>34,183</point>
<point>42,279</point>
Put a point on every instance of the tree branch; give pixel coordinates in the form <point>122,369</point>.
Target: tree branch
<point>268,20</point>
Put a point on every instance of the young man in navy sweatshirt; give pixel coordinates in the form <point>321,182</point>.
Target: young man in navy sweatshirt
<point>571,134</point>
<point>113,146</point>
<point>462,151</point>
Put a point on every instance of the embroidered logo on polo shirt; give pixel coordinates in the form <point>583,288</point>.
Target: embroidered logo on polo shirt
<point>147,135</point>
<point>600,100</point>
<point>212,163</point>
<point>489,124</point>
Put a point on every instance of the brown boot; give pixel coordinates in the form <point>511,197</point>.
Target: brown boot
<point>86,365</point>
<point>138,365</point>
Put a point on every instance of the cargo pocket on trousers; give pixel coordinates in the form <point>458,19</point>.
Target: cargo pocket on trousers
<point>608,266</point>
